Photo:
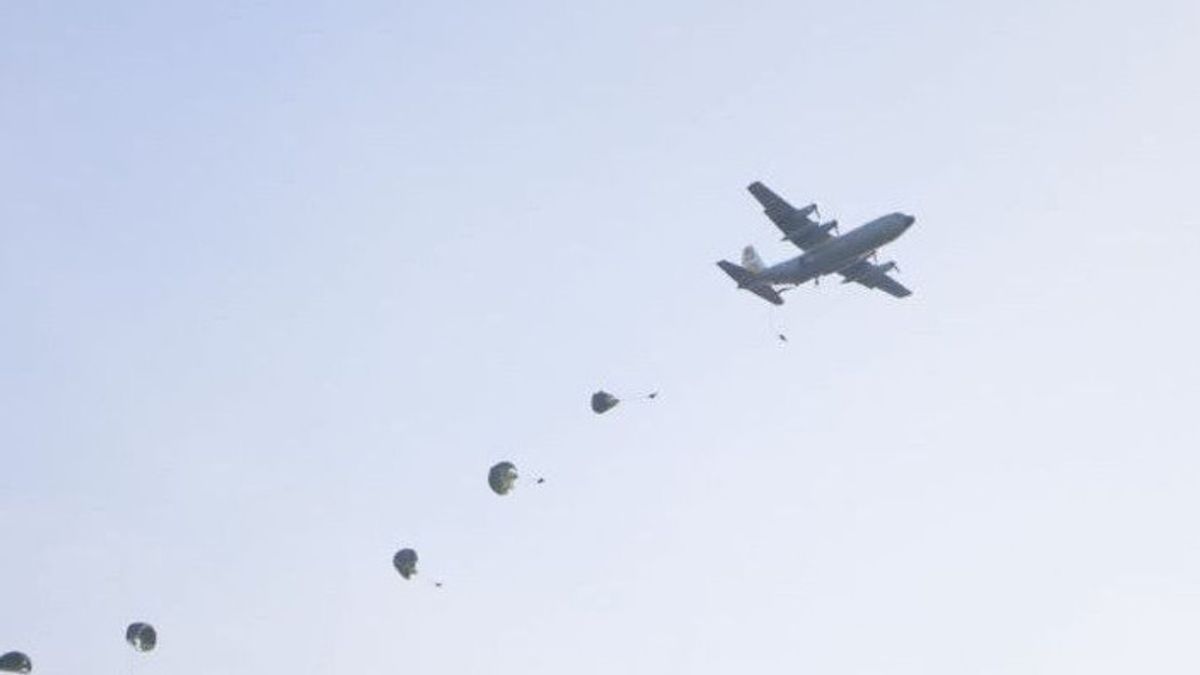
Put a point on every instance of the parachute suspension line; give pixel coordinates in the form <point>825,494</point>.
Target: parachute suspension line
<point>647,397</point>
<point>779,333</point>
<point>133,663</point>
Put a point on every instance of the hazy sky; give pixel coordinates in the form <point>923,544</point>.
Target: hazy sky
<point>280,280</point>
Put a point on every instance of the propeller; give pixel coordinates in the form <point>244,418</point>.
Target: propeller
<point>831,225</point>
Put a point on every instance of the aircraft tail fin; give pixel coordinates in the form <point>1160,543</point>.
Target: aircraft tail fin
<point>751,260</point>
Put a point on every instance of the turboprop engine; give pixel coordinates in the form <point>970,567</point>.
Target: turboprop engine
<point>870,270</point>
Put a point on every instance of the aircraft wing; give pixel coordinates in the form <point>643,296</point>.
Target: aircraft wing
<point>874,276</point>
<point>796,225</point>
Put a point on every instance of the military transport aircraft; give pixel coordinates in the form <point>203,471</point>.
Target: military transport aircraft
<point>851,255</point>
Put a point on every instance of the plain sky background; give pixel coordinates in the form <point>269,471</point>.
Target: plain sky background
<point>280,280</point>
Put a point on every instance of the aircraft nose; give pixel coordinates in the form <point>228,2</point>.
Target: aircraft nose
<point>908,221</point>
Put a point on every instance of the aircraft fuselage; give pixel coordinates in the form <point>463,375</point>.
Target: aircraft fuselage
<point>839,252</point>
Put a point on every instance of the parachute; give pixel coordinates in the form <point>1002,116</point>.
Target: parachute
<point>501,477</point>
<point>15,662</point>
<point>141,636</point>
<point>602,402</point>
<point>405,561</point>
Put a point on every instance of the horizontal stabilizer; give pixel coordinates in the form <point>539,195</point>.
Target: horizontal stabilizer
<point>747,280</point>
<point>741,275</point>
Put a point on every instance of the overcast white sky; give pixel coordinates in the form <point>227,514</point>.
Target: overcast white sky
<point>280,280</point>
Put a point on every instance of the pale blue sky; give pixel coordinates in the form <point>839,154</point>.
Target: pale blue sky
<point>281,280</point>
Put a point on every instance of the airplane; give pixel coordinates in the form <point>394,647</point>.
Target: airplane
<point>850,255</point>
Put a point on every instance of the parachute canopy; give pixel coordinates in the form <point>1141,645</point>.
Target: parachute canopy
<point>405,561</point>
<point>602,402</point>
<point>15,662</point>
<point>501,477</point>
<point>141,636</point>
